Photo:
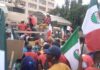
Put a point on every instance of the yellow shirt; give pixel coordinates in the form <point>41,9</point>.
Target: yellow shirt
<point>59,66</point>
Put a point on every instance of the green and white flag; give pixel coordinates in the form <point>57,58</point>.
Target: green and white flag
<point>2,41</point>
<point>71,50</point>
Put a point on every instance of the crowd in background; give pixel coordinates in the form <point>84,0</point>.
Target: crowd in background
<point>46,54</point>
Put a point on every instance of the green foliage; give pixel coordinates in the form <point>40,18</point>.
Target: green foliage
<point>62,12</point>
<point>80,2</point>
<point>55,11</point>
<point>75,14</point>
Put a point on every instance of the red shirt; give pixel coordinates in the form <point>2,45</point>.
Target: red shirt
<point>91,68</point>
<point>32,54</point>
<point>33,20</point>
<point>64,60</point>
<point>88,59</point>
<point>22,26</point>
<point>42,57</point>
<point>47,20</point>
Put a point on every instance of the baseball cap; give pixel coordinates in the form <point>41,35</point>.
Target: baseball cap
<point>28,63</point>
<point>54,51</point>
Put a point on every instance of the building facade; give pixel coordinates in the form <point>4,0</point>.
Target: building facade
<point>21,9</point>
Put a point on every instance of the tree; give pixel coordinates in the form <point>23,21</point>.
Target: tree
<point>73,4</point>
<point>67,4</point>
<point>80,2</point>
<point>62,12</point>
<point>75,14</point>
<point>55,11</point>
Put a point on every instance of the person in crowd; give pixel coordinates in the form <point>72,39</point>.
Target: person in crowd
<point>57,43</point>
<point>50,41</point>
<point>47,19</point>
<point>28,63</point>
<point>37,47</point>
<point>64,60</point>
<point>53,55</point>
<point>25,47</point>
<point>17,64</point>
<point>30,53</point>
<point>96,59</point>
<point>91,62</point>
<point>42,56</point>
<point>32,21</point>
<point>22,26</point>
<point>87,61</point>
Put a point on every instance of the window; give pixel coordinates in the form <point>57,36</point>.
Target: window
<point>42,8</point>
<point>31,5</point>
<point>23,3</point>
<point>52,0</point>
<point>10,1</point>
<point>30,12</point>
<point>2,0</point>
<point>20,10</point>
<point>16,9</point>
<point>50,4</point>
<point>34,0</point>
<point>43,2</point>
<point>10,8</point>
<point>49,9</point>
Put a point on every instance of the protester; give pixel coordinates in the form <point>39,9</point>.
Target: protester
<point>97,59</point>
<point>17,64</point>
<point>42,56</point>
<point>53,55</point>
<point>87,61</point>
<point>57,43</point>
<point>22,26</point>
<point>32,21</point>
<point>47,19</point>
<point>32,54</point>
<point>50,40</point>
<point>64,60</point>
<point>25,47</point>
<point>28,63</point>
<point>36,47</point>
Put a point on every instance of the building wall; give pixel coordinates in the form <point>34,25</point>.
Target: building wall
<point>26,7</point>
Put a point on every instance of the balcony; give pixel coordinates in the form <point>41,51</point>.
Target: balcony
<point>43,2</point>
<point>32,5</point>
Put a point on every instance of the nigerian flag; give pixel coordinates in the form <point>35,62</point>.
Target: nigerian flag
<point>2,41</point>
<point>71,50</point>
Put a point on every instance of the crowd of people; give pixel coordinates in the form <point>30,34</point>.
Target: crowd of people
<point>46,54</point>
<point>43,57</point>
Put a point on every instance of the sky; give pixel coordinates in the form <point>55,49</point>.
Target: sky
<point>61,2</point>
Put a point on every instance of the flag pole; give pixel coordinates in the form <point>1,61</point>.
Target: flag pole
<point>82,48</point>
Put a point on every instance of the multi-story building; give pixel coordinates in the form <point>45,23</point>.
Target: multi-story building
<point>20,9</point>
